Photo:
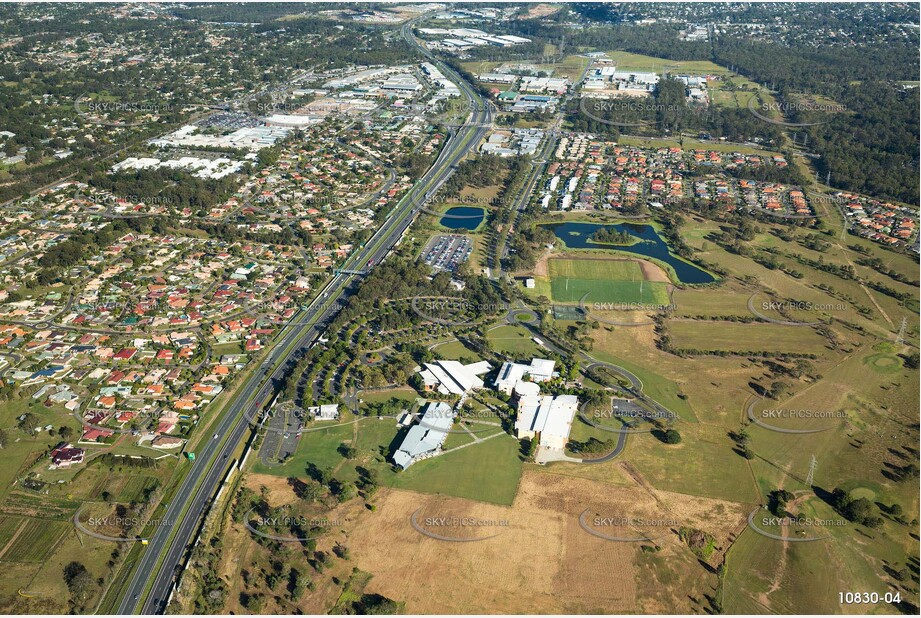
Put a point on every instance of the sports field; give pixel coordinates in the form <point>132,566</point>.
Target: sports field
<point>603,281</point>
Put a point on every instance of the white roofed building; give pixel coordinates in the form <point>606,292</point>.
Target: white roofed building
<point>510,374</point>
<point>451,377</point>
<point>546,418</point>
<point>426,438</point>
<point>327,412</point>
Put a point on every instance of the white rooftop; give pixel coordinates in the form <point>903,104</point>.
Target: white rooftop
<point>426,437</point>
<point>454,377</point>
<point>510,374</point>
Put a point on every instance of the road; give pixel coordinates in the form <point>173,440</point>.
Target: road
<point>157,568</point>
<point>538,166</point>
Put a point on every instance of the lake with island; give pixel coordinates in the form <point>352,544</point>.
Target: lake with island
<point>577,235</point>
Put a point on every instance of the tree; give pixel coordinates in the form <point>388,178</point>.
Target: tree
<point>28,423</point>
<point>311,491</point>
<point>672,436</point>
<point>297,583</point>
<point>859,511</point>
<point>78,581</point>
<point>777,502</point>
<point>348,451</point>
<point>532,448</point>
<point>341,551</point>
<point>777,389</point>
<point>378,605</point>
<point>66,432</point>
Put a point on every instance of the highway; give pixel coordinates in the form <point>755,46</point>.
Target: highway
<point>155,572</point>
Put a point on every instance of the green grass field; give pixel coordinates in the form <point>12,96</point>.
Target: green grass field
<point>123,486</point>
<point>627,61</point>
<point>711,303</point>
<point>691,143</point>
<point>703,464</point>
<point>659,388</point>
<point>37,540</point>
<point>603,281</point>
<point>8,526</point>
<point>488,472</point>
<point>765,576</point>
<point>513,340</point>
<point>315,447</point>
<point>455,350</point>
<point>735,336</point>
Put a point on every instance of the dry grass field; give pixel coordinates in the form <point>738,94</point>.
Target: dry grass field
<point>543,561</point>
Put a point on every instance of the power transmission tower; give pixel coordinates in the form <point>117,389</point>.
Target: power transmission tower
<point>811,476</point>
<point>900,338</point>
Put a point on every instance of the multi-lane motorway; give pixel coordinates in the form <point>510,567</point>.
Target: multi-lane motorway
<point>156,570</point>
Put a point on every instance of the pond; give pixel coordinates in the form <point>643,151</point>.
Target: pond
<point>578,236</point>
<point>467,217</point>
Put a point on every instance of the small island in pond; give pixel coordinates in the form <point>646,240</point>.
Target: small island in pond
<point>612,236</point>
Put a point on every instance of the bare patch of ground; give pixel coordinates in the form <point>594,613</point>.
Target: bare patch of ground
<point>277,488</point>
<point>543,561</point>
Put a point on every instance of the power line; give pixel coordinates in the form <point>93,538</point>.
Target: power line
<point>810,477</point>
